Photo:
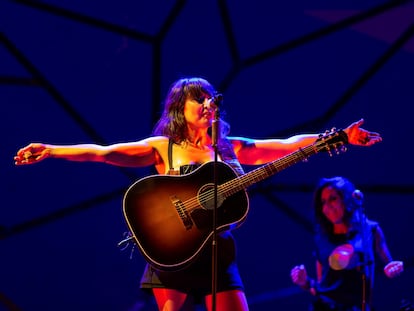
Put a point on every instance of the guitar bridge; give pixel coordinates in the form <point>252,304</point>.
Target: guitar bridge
<point>179,206</point>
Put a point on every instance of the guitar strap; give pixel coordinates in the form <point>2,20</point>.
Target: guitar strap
<point>225,150</point>
<point>170,161</point>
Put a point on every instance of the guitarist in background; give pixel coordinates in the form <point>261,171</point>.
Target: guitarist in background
<point>346,246</point>
<point>186,122</point>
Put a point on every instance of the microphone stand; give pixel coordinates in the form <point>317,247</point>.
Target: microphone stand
<point>363,225</point>
<point>215,127</point>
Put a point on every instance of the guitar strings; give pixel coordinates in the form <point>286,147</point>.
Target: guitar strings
<point>242,182</point>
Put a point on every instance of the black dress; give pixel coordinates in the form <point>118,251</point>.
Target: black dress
<point>196,279</point>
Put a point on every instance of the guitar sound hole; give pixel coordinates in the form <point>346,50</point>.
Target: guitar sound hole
<point>205,197</point>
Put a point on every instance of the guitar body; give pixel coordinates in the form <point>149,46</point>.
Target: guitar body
<point>171,217</point>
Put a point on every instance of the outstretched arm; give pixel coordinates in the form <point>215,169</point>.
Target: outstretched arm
<point>137,154</point>
<point>256,151</point>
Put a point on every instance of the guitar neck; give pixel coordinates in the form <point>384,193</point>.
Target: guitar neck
<point>325,143</point>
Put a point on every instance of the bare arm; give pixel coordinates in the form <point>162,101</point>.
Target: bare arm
<point>260,151</point>
<point>256,151</point>
<point>318,271</point>
<point>138,154</point>
<point>392,268</point>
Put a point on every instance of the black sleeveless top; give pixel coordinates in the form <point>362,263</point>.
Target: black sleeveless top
<point>342,285</point>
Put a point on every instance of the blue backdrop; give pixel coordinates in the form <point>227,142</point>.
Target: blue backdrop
<point>75,71</point>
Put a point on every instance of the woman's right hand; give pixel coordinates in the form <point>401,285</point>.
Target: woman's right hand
<point>32,153</point>
<point>299,275</point>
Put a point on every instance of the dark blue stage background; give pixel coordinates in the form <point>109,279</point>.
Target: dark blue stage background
<point>74,71</point>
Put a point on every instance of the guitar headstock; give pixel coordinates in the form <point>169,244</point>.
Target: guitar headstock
<point>332,141</point>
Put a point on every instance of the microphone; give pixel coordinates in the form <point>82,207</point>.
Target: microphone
<point>358,196</point>
<point>217,100</point>
<point>215,125</point>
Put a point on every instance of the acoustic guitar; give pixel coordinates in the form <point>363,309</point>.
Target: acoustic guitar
<point>171,217</point>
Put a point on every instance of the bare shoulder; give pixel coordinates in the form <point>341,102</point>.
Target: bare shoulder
<point>150,144</point>
<point>156,142</point>
<point>160,144</point>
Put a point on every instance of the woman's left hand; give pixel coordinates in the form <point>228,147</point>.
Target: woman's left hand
<point>394,268</point>
<point>361,137</point>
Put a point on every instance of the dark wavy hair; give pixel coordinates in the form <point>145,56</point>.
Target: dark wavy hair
<point>172,123</point>
<point>345,190</point>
